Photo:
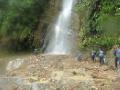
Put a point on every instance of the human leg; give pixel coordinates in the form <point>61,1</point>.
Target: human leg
<point>116,62</point>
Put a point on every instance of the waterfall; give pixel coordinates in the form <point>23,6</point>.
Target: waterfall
<point>61,36</point>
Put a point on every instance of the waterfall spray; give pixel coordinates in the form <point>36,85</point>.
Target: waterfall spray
<point>60,36</point>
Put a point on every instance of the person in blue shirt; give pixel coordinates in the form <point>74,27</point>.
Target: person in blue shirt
<point>117,56</point>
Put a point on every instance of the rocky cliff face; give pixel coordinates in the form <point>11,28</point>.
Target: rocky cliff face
<point>46,20</point>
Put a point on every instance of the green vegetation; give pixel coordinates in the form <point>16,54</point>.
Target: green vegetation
<point>101,26</point>
<point>18,21</point>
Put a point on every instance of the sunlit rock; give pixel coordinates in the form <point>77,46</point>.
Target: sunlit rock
<point>14,64</point>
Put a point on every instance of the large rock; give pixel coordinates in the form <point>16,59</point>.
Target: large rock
<point>13,83</point>
<point>15,64</point>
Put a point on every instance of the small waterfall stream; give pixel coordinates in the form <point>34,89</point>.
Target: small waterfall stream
<point>61,37</point>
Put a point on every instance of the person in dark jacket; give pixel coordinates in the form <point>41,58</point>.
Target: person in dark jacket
<point>93,55</point>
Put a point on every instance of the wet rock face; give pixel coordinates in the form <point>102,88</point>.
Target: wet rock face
<point>47,19</point>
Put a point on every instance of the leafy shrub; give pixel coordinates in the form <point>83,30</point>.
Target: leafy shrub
<point>102,26</point>
<point>19,19</point>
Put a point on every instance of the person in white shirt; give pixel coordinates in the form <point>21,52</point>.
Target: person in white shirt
<point>101,55</point>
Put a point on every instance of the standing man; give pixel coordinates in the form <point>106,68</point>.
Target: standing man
<point>93,55</point>
<point>101,55</point>
<point>117,56</point>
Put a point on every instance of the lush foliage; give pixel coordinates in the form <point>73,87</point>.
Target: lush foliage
<point>18,20</point>
<point>101,26</point>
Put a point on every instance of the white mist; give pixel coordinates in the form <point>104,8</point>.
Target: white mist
<point>60,37</point>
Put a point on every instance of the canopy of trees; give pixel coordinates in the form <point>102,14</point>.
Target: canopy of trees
<point>101,26</point>
<point>18,20</point>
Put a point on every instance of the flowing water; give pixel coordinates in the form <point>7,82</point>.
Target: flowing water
<point>61,37</point>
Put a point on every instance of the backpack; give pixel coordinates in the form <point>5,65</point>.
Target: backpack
<point>118,53</point>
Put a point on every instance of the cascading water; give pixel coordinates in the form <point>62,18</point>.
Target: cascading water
<point>61,36</point>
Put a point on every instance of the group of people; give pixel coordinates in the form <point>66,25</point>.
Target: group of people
<point>102,56</point>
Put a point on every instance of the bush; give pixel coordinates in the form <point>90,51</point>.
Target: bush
<point>102,26</point>
<point>19,19</point>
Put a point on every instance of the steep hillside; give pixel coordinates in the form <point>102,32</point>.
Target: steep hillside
<point>100,23</point>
